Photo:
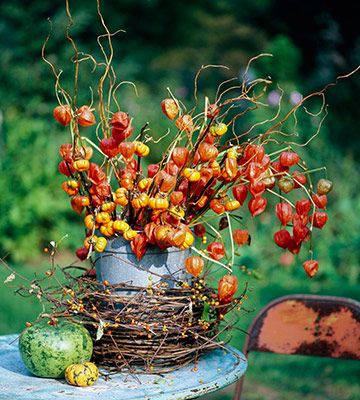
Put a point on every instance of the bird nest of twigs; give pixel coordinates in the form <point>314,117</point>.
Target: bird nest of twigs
<point>154,329</point>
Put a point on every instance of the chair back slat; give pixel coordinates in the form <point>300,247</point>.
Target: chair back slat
<point>308,325</point>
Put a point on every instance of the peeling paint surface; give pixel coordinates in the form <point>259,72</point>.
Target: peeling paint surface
<point>216,369</point>
<point>329,328</point>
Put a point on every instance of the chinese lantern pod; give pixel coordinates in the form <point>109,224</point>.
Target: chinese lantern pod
<point>194,265</point>
<point>228,286</point>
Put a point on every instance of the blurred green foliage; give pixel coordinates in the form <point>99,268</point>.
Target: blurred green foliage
<point>164,45</point>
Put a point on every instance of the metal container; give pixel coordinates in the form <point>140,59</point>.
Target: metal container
<point>118,264</point>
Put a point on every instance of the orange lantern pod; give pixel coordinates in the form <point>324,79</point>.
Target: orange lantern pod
<point>216,168</point>
<point>185,123</point>
<point>216,250</point>
<point>170,108</point>
<point>75,206</point>
<point>85,116</point>
<point>257,205</point>
<point>240,193</point>
<point>216,206</point>
<point>96,175</point>
<point>120,120</point>
<point>254,152</point>
<point>66,151</point>
<point>229,172</point>
<point>62,114</point>
<point>180,156</point>
<point>165,181</point>
<point>66,168</point>
<point>311,267</point>
<point>207,152</point>
<point>87,152</point>
<point>228,286</point>
<point>176,197</point>
<point>284,212</point>
<point>194,265</point>
<point>178,238</point>
<point>163,234</point>
<point>139,245</point>
<point>110,147</point>
<point>288,159</point>
<point>241,236</point>
<point>127,150</point>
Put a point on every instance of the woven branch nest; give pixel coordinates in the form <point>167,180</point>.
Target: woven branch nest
<point>152,330</point>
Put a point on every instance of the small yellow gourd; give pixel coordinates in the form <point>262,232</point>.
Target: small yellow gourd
<point>82,374</point>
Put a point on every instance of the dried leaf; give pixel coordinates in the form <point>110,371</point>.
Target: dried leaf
<point>100,330</point>
<point>223,223</point>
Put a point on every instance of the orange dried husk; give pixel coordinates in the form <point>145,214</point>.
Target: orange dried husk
<point>228,286</point>
<point>170,108</point>
<point>194,265</point>
<point>185,123</point>
<point>180,156</point>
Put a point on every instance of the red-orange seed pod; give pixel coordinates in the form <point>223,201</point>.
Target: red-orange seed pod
<point>127,149</point>
<point>227,288</point>
<point>241,236</point>
<point>85,116</point>
<point>216,206</point>
<point>185,123</point>
<point>176,197</point>
<point>207,152</point>
<point>180,156</point>
<point>216,250</point>
<point>194,265</point>
<point>170,108</point>
<point>311,267</point>
<point>62,114</point>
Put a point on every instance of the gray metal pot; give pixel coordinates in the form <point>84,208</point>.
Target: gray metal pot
<point>118,264</point>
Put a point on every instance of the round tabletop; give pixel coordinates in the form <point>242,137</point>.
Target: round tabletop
<point>215,370</point>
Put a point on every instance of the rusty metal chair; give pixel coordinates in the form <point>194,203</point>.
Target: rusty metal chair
<point>307,325</point>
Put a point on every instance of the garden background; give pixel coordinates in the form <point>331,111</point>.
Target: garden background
<point>164,45</point>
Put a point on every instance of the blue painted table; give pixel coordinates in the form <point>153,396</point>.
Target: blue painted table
<point>216,369</point>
